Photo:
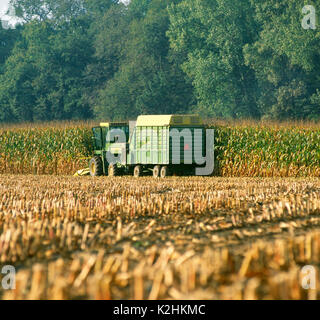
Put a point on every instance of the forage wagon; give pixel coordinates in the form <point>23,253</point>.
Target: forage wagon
<point>161,144</point>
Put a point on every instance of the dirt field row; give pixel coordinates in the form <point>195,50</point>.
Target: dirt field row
<point>178,238</point>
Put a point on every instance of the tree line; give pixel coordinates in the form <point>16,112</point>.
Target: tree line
<point>84,59</point>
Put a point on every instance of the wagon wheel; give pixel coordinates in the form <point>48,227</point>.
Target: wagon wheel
<point>96,167</point>
<point>137,171</point>
<point>164,172</point>
<point>156,171</point>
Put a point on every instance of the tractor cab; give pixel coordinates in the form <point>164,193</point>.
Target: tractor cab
<point>110,141</point>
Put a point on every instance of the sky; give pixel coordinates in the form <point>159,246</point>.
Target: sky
<point>3,6</point>
<point>6,21</point>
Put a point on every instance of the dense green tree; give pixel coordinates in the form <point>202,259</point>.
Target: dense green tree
<point>42,10</point>
<point>211,35</point>
<point>149,80</point>
<point>109,33</point>
<point>8,38</point>
<point>43,78</point>
<point>78,59</point>
<point>286,61</point>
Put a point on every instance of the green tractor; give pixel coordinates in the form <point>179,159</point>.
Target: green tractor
<point>116,145</point>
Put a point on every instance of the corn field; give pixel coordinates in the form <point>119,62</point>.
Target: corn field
<point>267,152</point>
<point>241,149</point>
<point>45,150</point>
<point>244,235</point>
<point>146,238</point>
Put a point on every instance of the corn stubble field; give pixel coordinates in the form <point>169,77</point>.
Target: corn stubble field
<point>179,238</point>
<point>222,237</point>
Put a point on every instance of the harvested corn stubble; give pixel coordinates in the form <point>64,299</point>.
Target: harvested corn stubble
<point>175,238</point>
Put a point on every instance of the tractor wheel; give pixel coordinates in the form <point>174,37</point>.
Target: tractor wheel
<point>113,170</point>
<point>164,172</point>
<point>96,167</point>
<point>137,171</point>
<point>156,171</point>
